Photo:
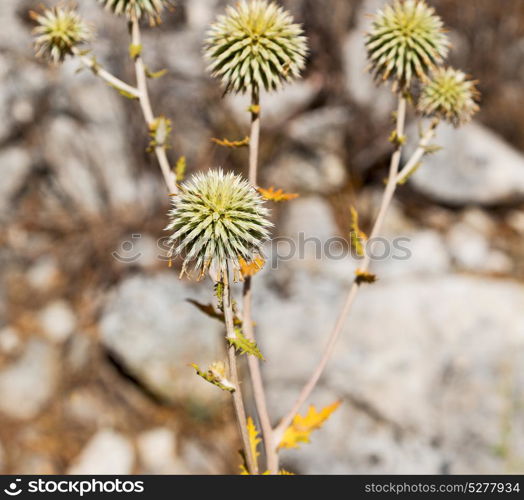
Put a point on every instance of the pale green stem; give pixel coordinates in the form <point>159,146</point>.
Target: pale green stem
<point>377,228</point>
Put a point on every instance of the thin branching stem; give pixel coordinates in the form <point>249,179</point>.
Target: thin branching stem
<point>249,331</point>
<point>377,228</point>
<point>419,153</point>
<point>233,374</point>
<point>147,110</point>
<point>91,64</point>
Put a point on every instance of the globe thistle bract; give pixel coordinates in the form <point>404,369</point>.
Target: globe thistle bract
<point>450,96</point>
<point>216,220</point>
<point>59,31</point>
<point>255,45</point>
<point>152,9</point>
<point>406,40</point>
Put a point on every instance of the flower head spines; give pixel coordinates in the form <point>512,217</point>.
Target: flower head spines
<point>255,45</point>
<point>406,41</point>
<point>449,96</point>
<point>152,9</point>
<point>59,31</point>
<point>216,220</point>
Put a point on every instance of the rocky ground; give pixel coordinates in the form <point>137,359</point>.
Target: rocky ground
<point>94,349</point>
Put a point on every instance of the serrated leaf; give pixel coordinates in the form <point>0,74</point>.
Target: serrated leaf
<point>249,269</point>
<point>357,235</point>
<point>125,94</point>
<point>245,346</point>
<point>180,169</point>
<point>155,74</point>
<point>408,175</point>
<point>302,427</point>
<point>135,51</point>
<point>364,277</point>
<point>231,144</point>
<point>208,310</point>
<point>397,140</point>
<point>277,195</point>
<point>432,149</point>
<point>254,439</point>
<point>216,375</point>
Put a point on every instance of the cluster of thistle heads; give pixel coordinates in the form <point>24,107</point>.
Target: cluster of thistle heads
<point>408,45</point>
<point>217,219</point>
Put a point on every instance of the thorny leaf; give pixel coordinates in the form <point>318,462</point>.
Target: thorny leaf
<point>135,51</point>
<point>231,144</point>
<point>302,427</point>
<point>216,375</point>
<point>208,310</point>
<point>364,277</point>
<point>397,140</point>
<point>254,439</point>
<point>245,346</point>
<point>357,235</point>
<point>180,169</point>
<point>409,174</point>
<point>249,269</point>
<point>155,74</point>
<point>282,472</point>
<point>277,195</point>
<point>432,149</point>
<point>159,132</point>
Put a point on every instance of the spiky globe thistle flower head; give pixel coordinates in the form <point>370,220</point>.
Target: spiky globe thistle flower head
<point>449,96</point>
<point>216,220</point>
<point>406,41</point>
<point>59,30</point>
<point>152,9</point>
<point>255,45</point>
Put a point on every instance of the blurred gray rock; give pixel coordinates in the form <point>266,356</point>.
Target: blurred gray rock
<point>149,326</point>
<point>43,273</point>
<point>308,172</point>
<point>157,453</point>
<point>283,105</point>
<point>420,395</point>
<point>58,321</point>
<point>15,165</point>
<point>10,342</point>
<point>107,453</point>
<point>472,251</point>
<point>27,384</point>
<point>475,166</point>
<point>321,129</point>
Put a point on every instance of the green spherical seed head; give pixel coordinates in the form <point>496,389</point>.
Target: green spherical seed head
<point>406,41</point>
<point>216,220</point>
<point>255,45</point>
<point>152,9</point>
<point>59,30</point>
<point>449,96</point>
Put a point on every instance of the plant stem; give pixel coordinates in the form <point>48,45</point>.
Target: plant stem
<point>377,228</point>
<point>421,150</point>
<point>249,331</point>
<point>145,104</point>
<point>233,374</point>
<point>91,64</point>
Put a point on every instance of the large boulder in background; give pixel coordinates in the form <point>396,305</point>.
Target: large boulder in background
<point>475,166</point>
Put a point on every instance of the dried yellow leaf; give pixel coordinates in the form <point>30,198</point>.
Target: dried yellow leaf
<point>249,269</point>
<point>302,427</point>
<point>272,194</point>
